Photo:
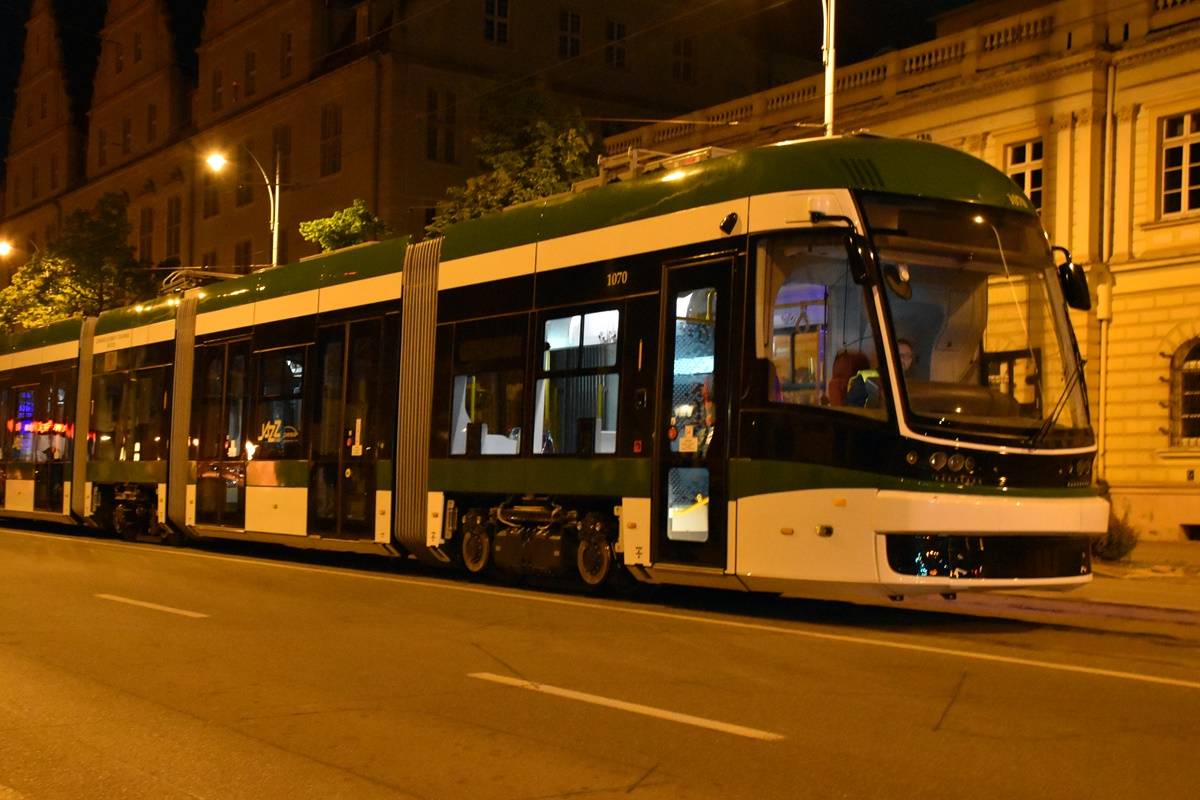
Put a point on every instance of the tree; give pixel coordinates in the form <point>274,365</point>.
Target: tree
<point>90,267</point>
<point>530,148</point>
<point>353,225</point>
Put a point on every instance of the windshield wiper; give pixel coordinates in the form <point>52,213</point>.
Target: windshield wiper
<point>1056,412</point>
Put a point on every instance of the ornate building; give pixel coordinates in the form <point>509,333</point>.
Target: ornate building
<point>371,99</point>
<point>1093,107</point>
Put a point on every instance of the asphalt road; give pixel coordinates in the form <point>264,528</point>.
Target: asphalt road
<point>131,671</point>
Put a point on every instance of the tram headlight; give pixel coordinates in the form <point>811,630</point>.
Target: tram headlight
<point>956,462</point>
<point>1084,467</point>
<point>911,457</point>
<point>938,461</point>
<point>969,464</point>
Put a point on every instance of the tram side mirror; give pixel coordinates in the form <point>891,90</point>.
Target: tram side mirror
<point>860,256</point>
<point>1073,280</point>
<point>896,277</point>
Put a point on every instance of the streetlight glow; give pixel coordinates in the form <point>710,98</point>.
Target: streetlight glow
<point>216,161</point>
<point>6,248</point>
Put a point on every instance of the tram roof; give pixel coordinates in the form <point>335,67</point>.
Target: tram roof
<point>65,330</point>
<point>869,163</point>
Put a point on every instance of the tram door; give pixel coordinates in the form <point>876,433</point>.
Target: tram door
<point>222,392</point>
<point>346,421</point>
<point>689,501</point>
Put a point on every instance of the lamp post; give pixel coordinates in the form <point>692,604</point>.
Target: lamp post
<point>216,162</point>
<point>827,57</point>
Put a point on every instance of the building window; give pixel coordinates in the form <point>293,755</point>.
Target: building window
<point>212,205</point>
<point>126,136</point>
<point>33,184</point>
<point>151,122</point>
<point>331,139</point>
<point>16,191</point>
<point>285,54</point>
<point>102,149</point>
<point>244,194</point>
<point>209,259</point>
<point>146,235</point>
<point>217,99</point>
<point>570,39</point>
<point>614,44</point>
<point>681,59</point>
<point>53,174</point>
<point>251,76</point>
<point>1185,396</point>
<point>137,47</point>
<point>241,254</point>
<point>495,21</point>
<point>43,106</point>
<point>1181,164</point>
<point>281,140</point>
<point>440,119</point>
<point>174,221</point>
<point>119,56</point>
<point>1023,163</point>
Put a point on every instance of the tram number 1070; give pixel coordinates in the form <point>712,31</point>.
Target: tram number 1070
<point>618,278</point>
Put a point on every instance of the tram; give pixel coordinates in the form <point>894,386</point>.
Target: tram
<point>832,368</point>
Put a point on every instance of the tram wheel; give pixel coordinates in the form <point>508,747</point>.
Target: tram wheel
<point>476,547</point>
<point>594,561</point>
<point>125,522</point>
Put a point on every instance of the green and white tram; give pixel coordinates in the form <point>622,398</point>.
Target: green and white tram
<point>835,368</point>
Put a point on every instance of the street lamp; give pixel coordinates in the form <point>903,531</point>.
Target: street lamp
<point>216,162</point>
<point>6,248</point>
<point>827,57</point>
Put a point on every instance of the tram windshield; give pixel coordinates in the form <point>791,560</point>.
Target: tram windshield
<point>982,338</point>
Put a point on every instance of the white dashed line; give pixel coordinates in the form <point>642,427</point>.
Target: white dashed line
<point>633,708</point>
<point>143,604</point>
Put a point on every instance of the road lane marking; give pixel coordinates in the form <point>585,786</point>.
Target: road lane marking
<point>634,708</point>
<point>447,585</point>
<point>143,604</point>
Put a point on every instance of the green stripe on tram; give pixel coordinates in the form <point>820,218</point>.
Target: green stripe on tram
<point>127,471</point>
<point>355,264</point>
<point>595,476</point>
<point>748,478</point>
<point>66,330</point>
<point>120,319</point>
<point>900,166</point>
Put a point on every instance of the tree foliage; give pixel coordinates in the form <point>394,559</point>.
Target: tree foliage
<point>353,225</point>
<point>529,148</point>
<point>90,267</point>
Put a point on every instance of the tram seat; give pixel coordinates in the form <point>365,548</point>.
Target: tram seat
<point>846,365</point>
<point>606,441</point>
<point>498,444</point>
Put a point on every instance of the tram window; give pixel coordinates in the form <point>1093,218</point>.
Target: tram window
<point>25,408</point>
<point>575,403</point>
<point>280,405</point>
<point>147,403</point>
<point>108,389</point>
<point>487,401</point>
<point>817,333</point>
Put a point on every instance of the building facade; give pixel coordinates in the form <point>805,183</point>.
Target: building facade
<point>371,99</point>
<point>1093,108</point>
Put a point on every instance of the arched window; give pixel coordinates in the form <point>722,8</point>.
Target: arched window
<point>1185,395</point>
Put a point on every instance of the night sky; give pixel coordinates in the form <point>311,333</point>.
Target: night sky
<point>865,28</point>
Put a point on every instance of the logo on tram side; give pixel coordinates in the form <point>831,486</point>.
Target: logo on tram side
<point>274,431</point>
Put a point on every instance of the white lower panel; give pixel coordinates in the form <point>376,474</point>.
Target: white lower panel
<point>66,509</point>
<point>162,504</point>
<point>778,535</point>
<point>277,509</point>
<point>383,516</point>
<point>189,513</point>
<point>634,541</point>
<point>435,507</point>
<point>18,495</point>
<point>834,535</point>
